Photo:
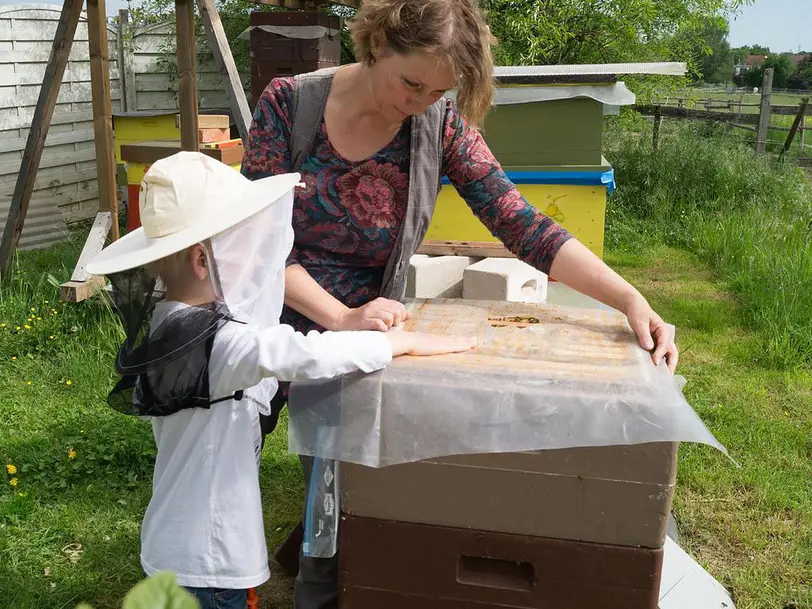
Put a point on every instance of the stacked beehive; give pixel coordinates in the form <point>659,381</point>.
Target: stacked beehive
<point>289,43</point>
<point>555,529</point>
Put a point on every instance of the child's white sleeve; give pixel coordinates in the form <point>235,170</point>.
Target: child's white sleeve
<point>249,355</point>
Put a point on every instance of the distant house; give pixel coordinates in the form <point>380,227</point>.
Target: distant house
<point>798,58</point>
<point>749,62</point>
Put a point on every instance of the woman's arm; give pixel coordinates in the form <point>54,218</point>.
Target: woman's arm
<point>538,240</point>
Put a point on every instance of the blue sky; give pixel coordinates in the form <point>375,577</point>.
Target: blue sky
<point>782,25</point>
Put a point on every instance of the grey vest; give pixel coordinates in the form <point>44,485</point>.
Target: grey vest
<point>425,167</point>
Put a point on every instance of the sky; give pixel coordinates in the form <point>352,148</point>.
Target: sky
<point>782,25</point>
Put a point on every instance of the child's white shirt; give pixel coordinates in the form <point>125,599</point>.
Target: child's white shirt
<point>204,521</point>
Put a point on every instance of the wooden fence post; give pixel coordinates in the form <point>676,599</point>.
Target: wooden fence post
<point>102,111</point>
<point>764,114</point>
<point>801,129</point>
<point>658,119</point>
<point>126,62</point>
<point>187,74</point>
<point>54,71</point>
<point>795,124</point>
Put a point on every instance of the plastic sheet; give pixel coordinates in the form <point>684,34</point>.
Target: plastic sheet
<point>614,95</point>
<point>549,376</point>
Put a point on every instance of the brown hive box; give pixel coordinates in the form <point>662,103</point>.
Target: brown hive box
<point>618,495</point>
<point>274,55</point>
<point>384,564</point>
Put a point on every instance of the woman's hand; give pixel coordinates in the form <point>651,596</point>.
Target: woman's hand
<point>381,314</point>
<point>415,343</point>
<point>654,335</point>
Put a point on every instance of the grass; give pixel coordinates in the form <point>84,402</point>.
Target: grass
<point>748,217</point>
<point>69,529</point>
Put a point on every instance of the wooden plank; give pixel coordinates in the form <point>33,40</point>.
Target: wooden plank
<point>228,69</point>
<point>764,113</point>
<point>102,111</point>
<point>208,121</point>
<point>125,61</point>
<point>801,131</point>
<point>795,125</point>
<point>54,139</point>
<point>187,74</point>
<point>21,118</point>
<point>50,160</point>
<point>78,291</point>
<point>96,239</point>
<point>33,74</point>
<point>40,55</point>
<point>53,177</point>
<point>790,110</point>
<point>804,162</point>
<point>658,120</point>
<point>689,113</point>
<point>478,249</point>
<point>58,60</point>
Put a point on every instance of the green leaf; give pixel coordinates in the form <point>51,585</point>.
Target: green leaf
<point>161,591</point>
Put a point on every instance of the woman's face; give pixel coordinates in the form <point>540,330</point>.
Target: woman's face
<point>406,85</point>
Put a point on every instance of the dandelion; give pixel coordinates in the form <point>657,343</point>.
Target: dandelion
<point>71,453</point>
<point>18,328</point>
<point>27,327</point>
<point>33,310</point>
<point>39,318</point>
<point>11,469</point>
<point>51,337</point>
<point>3,325</point>
<point>13,358</point>
<point>69,382</point>
<point>13,482</point>
<point>29,383</point>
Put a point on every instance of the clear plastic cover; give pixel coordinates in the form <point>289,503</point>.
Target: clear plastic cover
<point>548,376</point>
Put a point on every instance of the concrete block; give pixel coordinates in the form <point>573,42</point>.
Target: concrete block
<point>436,277</point>
<point>504,279</point>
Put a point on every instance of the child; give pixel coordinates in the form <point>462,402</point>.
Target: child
<point>203,356</point>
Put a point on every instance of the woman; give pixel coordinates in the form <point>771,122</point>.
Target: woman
<point>359,181</point>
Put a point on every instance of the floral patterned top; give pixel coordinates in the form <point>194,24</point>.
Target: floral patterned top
<point>346,220</point>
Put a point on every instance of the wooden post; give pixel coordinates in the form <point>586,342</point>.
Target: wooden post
<point>126,65</point>
<point>796,123</point>
<point>54,71</point>
<point>102,111</point>
<point>764,114</point>
<point>228,69</point>
<point>187,74</point>
<point>801,130</point>
<point>658,119</point>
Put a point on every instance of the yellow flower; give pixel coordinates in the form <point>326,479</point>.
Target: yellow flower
<point>39,318</point>
<point>11,469</point>
<point>18,328</point>
<point>51,337</point>
<point>71,453</point>
<point>13,358</point>
<point>3,325</point>
<point>69,382</point>
<point>27,327</point>
<point>33,310</point>
<point>13,482</point>
<point>29,383</point>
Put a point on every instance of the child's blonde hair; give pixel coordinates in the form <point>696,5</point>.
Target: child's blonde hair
<point>171,268</point>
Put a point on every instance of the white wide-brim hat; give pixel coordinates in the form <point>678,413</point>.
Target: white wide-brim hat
<point>185,199</point>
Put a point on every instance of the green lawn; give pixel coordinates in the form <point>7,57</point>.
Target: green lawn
<point>69,528</point>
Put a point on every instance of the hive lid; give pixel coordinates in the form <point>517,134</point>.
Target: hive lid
<point>544,377</point>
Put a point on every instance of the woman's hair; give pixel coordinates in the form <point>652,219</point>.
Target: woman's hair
<point>454,29</point>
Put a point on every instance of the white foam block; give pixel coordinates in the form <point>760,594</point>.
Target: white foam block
<point>437,276</point>
<point>504,279</point>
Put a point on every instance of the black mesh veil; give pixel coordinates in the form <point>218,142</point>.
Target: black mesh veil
<point>164,360</point>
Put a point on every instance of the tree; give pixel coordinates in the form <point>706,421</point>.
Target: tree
<point>709,49</point>
<point>782,64</point>
<point>801,77</point>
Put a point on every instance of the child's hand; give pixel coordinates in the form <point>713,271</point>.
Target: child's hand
<point>413,343</point>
